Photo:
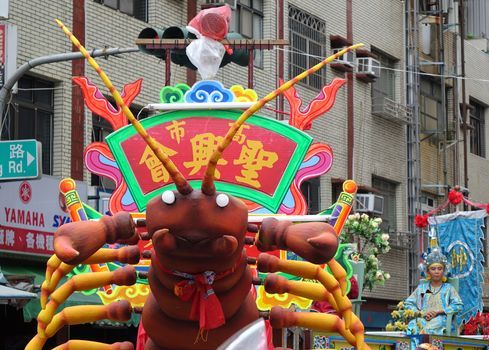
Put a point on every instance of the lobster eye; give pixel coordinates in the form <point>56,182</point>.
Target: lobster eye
<point>222,200</point>
<point>168,197</point>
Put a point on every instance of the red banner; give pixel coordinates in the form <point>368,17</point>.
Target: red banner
<point>14,239</point>
<point>253,161</point>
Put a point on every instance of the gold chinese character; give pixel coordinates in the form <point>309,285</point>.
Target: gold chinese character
<point>203,145</point>
<point>239,137</point>
<point>253,158</point>
<point>158,171</point>
<point>176,130</point>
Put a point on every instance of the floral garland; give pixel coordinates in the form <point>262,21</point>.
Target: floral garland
<point>455,197</point>
<point>370,241</point>
<point>401,318</point>
<point>478,325</point>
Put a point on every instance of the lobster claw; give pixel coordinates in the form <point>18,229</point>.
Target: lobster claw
<point>314,241</point>
<point>76,241</point>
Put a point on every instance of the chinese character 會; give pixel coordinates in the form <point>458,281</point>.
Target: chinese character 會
<point>158,171</point>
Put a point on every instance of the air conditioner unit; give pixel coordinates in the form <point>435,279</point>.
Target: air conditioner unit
<point>369,203</point>
<point>231,3</point>
<point>369,66</point>
<point>347,59</point>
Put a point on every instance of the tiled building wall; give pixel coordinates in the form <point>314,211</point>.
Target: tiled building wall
<point>379,145</point>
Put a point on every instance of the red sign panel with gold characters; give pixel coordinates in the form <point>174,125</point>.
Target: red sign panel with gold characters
<point>258,165</point>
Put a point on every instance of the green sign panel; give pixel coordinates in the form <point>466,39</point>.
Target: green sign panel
<point>20,159</point>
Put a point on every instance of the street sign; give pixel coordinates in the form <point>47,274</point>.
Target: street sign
<point>20,159</point>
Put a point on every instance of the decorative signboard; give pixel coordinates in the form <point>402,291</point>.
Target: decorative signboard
<point>262,149</point>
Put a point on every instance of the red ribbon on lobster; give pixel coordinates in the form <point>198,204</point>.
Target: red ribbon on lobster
<point>206,307</point>
<point>197,288</point>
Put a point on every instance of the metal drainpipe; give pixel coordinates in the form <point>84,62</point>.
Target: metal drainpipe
<point>444,113</point>
<point>456,113</point>
<point>191,13</point>
<point>280,67</point>
<point>77,101</point>
<point>349,87</point>
<point>462,75</point>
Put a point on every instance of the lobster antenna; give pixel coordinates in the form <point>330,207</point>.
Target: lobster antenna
<point>208,186</point>
<point>181,183</point>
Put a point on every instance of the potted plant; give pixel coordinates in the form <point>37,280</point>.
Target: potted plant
<point>369,241</point>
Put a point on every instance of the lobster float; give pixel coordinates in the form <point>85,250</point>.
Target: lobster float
<point>207,242</point>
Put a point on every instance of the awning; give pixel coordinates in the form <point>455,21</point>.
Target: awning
<point>8,293</point>
<point>33,307</point>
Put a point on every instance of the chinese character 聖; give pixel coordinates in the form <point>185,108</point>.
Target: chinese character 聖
<point>253,158</point>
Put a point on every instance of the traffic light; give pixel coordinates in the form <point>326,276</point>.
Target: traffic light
<point>152,33</point>
<point>179,56</point>
<point>239,56</point>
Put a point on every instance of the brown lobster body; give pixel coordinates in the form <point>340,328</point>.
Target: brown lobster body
<point>166,317</point>
<point>210,239</point>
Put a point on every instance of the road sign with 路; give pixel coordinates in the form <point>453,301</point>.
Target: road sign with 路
<point>20,159</point>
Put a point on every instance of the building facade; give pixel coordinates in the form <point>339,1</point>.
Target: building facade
<point>368,128</point>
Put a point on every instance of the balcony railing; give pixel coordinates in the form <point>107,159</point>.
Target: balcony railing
<point>391,110</point>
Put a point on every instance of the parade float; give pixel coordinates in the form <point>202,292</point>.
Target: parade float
<point>207,234</point>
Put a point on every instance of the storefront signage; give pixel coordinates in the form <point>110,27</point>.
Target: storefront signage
<point>30,213</point>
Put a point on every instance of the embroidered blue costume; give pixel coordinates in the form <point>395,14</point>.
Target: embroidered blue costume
<point>426,298</point>
<point>433,298</point>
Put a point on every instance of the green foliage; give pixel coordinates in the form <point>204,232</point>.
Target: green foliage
<point>366,234</point>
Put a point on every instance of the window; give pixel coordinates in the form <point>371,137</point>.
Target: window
<point>307,36</point>
<point>478,129</point>
<point>477,12</point>
<point>30,116</point>
<point>387,189</point>
<point>430,106</point>
<point>385,85</point>
<point>311,190</point>
<point>134,8</point>
<point>247,20</point>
